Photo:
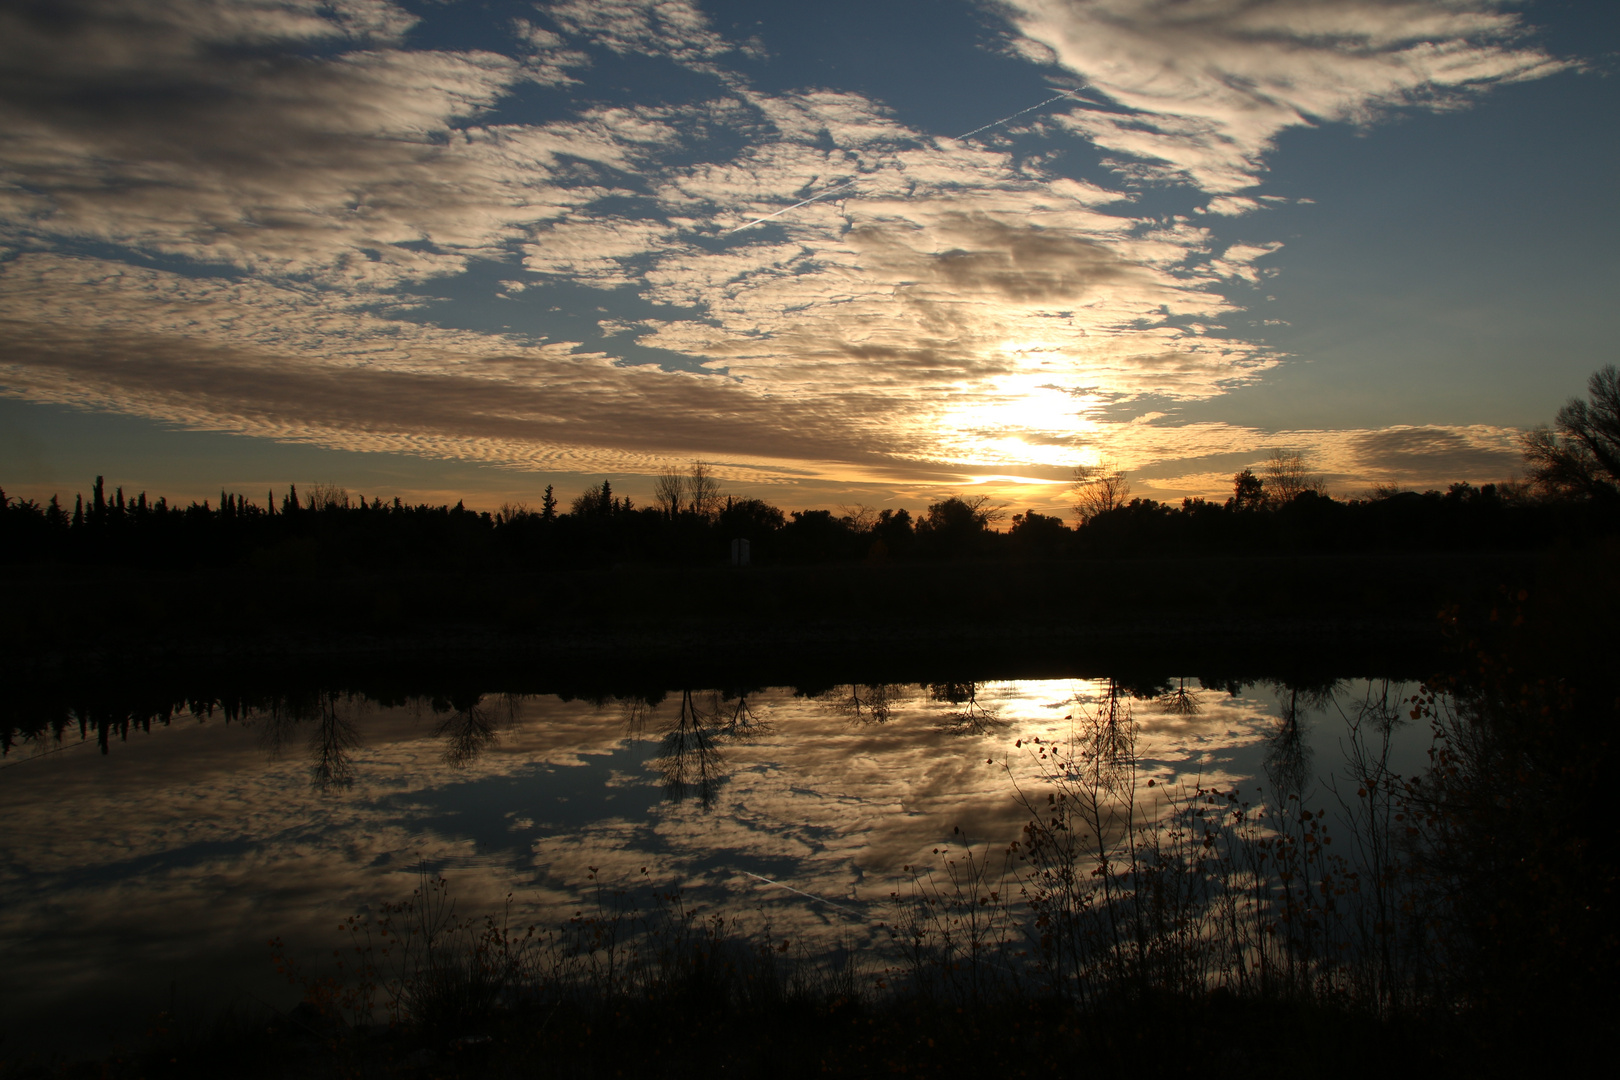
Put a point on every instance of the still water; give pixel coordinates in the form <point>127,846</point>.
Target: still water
<point>146,865</point>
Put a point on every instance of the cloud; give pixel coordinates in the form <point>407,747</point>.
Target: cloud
<point>954,310</point>
<point>546,61</point>
<point>595,251</point>
<point>290,364</point>
<point>929,323</point>
<point>673,28</point>
<point>213,132</point>
<point>949,275</point>
<point>1438,455</point>
<point>1203,89</point>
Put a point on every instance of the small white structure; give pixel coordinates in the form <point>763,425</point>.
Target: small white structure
<point>739,553</point>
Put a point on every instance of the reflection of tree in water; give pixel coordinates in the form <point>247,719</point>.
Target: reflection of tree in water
<point>634,712</point>
<point>280,720</point>
<point>867,703</point>
<point>970,718</point>
<point>331,744</point>
<point>634,709</point>
<point>1179,701</point>
<point>333,735</point>
<point>743,723</point>
<point>690,757</point>
<point>1382,707</point>
<point>1288,757</point>
<point>690,760</point>
<point>1109,737</point>
<point>472,726</point>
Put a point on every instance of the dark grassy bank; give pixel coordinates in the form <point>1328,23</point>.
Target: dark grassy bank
<point>697,620</point>
<point>834,1036</point>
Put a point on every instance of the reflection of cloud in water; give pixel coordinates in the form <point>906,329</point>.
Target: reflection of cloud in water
<point>218,840</point>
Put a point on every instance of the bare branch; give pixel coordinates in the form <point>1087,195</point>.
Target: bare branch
<point>1098,489</point>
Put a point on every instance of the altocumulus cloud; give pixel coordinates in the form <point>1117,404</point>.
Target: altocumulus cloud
<point>312,174</point>
<point>1204,88</point>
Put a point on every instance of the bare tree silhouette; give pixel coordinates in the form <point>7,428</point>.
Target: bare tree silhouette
<point>1288,476</point>
<point>703,496</point>
<point>1581,455</point>
<point>669,491</point>
<point>859,517</point>
<point>327,497</point>
<point>1098,489</point>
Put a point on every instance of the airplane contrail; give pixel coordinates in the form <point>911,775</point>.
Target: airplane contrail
<point>801,892</point>
<point>993,123</point>
<point>795,206</point>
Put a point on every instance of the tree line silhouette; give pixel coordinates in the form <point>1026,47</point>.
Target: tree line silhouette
<point>1574,492</point>
<point>332,530</point>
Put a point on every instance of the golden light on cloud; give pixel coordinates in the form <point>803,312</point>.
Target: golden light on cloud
<point>1018,482</point>
<point>1014,418</point>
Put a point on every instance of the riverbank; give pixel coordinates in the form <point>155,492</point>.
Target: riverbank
<point>830,1036</point>
<point>761,624</point>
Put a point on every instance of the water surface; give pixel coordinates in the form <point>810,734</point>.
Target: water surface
<point>148,861</point>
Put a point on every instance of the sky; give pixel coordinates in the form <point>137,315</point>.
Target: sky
<point>844,252</point>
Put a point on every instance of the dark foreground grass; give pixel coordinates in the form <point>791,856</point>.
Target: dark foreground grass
<point>679,1036</point>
